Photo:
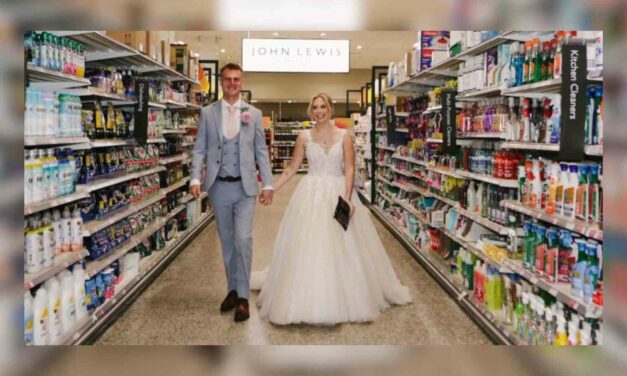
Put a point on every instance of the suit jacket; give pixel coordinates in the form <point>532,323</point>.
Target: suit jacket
<point>252,148</point>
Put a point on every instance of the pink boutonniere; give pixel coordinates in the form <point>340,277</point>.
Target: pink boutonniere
<point>245,116</point>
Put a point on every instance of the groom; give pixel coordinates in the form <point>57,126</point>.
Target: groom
<point>230,140</point>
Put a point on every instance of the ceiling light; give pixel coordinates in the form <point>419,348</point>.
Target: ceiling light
<point>359,47</point>
<point>253,101</point>
<point>323,34</point>
<point>334,101</point>
<point>275,34</point>
<point>289,101</point>
<point>223,50</point>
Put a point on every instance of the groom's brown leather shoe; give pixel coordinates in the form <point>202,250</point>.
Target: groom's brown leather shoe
<point>229,302</point>
<point>241,310</point>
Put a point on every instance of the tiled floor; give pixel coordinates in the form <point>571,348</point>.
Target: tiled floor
<point>182,304</point>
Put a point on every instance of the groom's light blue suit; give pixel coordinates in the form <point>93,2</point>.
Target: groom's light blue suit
<point>233,202</point>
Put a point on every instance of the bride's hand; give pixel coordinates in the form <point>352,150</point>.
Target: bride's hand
<point>352,211</point>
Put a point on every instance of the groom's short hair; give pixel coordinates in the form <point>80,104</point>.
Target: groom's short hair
<point>231,66</point>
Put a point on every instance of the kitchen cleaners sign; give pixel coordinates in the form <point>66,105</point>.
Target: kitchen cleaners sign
<point>573,116</point>
<point>296,55</point>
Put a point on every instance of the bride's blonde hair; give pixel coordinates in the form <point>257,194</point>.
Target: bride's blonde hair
<point>327,100</point>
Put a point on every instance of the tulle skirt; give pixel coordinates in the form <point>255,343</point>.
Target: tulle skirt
<point>320,273</point>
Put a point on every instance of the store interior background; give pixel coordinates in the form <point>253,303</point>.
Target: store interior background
<point>609,16</point>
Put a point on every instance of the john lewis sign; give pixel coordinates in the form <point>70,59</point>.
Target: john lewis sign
<point>296,55</point>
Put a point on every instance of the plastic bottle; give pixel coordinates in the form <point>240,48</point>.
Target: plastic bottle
<point>552,182</point>
<point>524,327</point>
<point>73,180</point>
<point>34,247</point>
<point>570,190</point>
<point>594,195</point>
<point>557,60</point>
<point>38,176</point>
<point>573,331</point>
<point>579,269</point>
<point>561,338</point>
<point>46,175</point>
<point>552,255</point>
<point>471,196</point>
<point>526,63</point>
<point>66,230</point>
<point>41,317</point>
<point>598,95</point>
<point>549,334</point>
<point>53,165</point>
<point>28,179</point>
<point>28,318</point>
<point>479,199</point>
<point>592,272</point>
<point>519,61</point>
<point>582,197</point>
<point>76,230</point>
<point>541,250</point>
<point>58,231</point>
<point>54,309</point>
<point>48,240</point>
<point>536,186</point>
<point>559,189</point>
<point>518,309</point>
<point>68,303</point>
<point>79,277</point>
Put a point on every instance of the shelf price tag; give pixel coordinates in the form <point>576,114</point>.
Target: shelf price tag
<point>573,108</point>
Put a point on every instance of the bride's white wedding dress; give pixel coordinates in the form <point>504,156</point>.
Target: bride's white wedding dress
<point>319,273</point>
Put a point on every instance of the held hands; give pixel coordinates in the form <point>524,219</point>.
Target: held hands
<point>194,190</point>
<point>350,215</point>
<point>266,197</point>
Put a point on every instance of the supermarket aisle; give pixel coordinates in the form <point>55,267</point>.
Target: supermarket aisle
<point>182,305</point>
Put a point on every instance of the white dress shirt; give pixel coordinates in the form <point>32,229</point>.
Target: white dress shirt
<point>225,124</point>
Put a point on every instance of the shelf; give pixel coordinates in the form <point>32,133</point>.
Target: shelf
<point>105,97</point>
<point>561,291</point>
<point>409,159</point>
<point>94,267</point>
<point>432,140</point>
<point>507,183</point>
<point>553,86</point>
<point>381,130</point>
<point>402,114</point>
<point>360,131</point>
<point>485,222</point>
<point>385,197</point>
<point>388,148</point>
<point>440,273</point>
<point>107,182</point>
<point>91,227</point>
<point>159,140</point>
<point>61,262</point>
<point>486,92</point>
<point>44,140</point>
<point>177,158</point>
<point>497,135</point>
<point>404,173</point>
<point>363,195</point>
<point>446,171</point>
<point>74,332</point>
<point>102,51</point>
<point>46,78</point>
<point>157,105</point>
<point>409,208</point>
<point>105,143</point>
<point>58,201</point>
<point>286,134</point>
<point>402,130</point>
<point>176,211</point>
<point>173,131</point>
<point>588,229</point>
<point>187,144</point>
<point>529,146</point>
<point>175,186</point>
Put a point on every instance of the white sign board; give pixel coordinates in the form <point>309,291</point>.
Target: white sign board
<point>296,55</point>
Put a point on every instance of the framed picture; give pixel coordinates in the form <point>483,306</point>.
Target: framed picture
<point>211,69</point>
<point>246,96</point>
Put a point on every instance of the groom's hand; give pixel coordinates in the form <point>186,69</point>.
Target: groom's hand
<point>266,196</point>
<point>194,190</point>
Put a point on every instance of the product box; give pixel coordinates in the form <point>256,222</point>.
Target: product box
<point>179,58</point>
<point>135,39</point>
<point>438,56</point>
<point>423,59</point>
<point>434,40</point>
<point>408,64</point>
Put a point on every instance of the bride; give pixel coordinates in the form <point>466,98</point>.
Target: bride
<point>320,273</point>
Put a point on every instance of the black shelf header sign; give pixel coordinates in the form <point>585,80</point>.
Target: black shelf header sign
<point>573,106</point>
<point>141,111</point>
<point>449,116</point>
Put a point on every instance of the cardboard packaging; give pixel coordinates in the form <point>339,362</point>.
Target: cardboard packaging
<point>179,58</point>
<point>434,40</point>
<point>134,39</point>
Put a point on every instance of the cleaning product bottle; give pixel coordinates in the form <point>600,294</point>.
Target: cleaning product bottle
<point>570,192</point>
<point>573,331</point>
<point>66,230</point>
<point>554,136</point>
<point>579,269</point>
<point>561,338</point>
<point>477,281</point>
<point>37,173</point>
<point>582,197</point>
<point>589,115</point>
<point>552,253</point>
<point>559,189</point>
<point>46,169</point>
<point>541,250</point>
<point>533,246</point>
<point>552,181</point>
<point>68,303</point>
<point>592,272</point>
<point>478,200</point>
<point>593,205</point>
<point>586,334</point>
<point>536,186</point>
<point>28,318</point>
<point>53,165</point>
<point>550,327</point>
<point>41,315</point>
<point>521,182</point>
<point>598,97</point>
<point>79,278</point>
<point>54,309</point>
<point>471,196</point>
<point>48,239</point>
<point>518,309</point>
<point>541,323</point>
<point>77,230</point>
<point>34,246</point>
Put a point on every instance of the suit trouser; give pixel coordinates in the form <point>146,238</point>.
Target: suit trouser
<point>234,211</point>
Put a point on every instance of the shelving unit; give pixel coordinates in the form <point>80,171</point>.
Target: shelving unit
<point>117,179</point>
<point>61,262</point>
<point>44,141</point>
<point>49,204</point>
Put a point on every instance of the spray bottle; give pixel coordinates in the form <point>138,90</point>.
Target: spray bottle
<point>66,230</point>
<point>76,230</point>
<point>570,192</point>
<point>582,197</point>
<point>594,194</point>
<point>573,331</point>
<point>28,318</point>
<point>579,270</point>
<point>559,189</point>
<point>592,272</point>
<point>561,338</point>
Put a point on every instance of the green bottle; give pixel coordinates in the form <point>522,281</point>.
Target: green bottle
<point>518,310</point>
<point>537,72</point>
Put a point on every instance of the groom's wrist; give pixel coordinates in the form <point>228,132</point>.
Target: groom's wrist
<point>268,188</point>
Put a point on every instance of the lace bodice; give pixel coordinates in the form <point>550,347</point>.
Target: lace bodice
<point>325,162</point>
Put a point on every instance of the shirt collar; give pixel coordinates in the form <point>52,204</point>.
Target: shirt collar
<point>237,104</point>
